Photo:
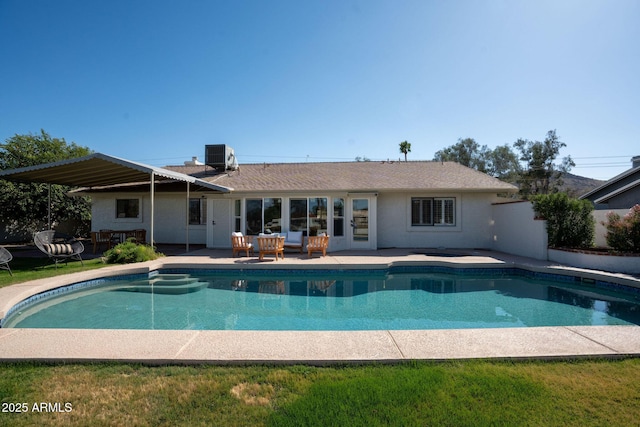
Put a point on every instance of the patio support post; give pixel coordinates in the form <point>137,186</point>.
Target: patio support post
<point>49,208</point>
<point>187,218</point>
<point>153,184</point>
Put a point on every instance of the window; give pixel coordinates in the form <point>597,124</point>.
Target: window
<point>338,217</point>
<point>432,211</point>
<point>317,216</point>
<point>127,208</point>
<point>254,216</point>
<point>263,215</point>
<point>237,214</point>
<point>197,211</point>
<point>308,215</point>
<point>298,215</point>
<point>272,215</point>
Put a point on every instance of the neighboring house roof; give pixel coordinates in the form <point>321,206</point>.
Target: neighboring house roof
<point>615,186</point>
<point>351,176</point>
<point>99,169</point>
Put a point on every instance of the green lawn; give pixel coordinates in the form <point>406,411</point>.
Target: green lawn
<point>471,393</point>
<point>32,268</point>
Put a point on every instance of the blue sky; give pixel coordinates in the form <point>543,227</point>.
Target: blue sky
<point>155,81</point>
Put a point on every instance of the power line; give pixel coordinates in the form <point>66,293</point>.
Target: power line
<point>603,157</point>
<point>602,165</point>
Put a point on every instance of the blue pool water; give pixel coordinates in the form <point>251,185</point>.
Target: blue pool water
<point>340,300</point>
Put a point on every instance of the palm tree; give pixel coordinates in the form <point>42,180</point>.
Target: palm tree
<point>405,147</point>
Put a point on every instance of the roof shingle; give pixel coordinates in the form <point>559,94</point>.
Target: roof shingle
<point>351,176</point>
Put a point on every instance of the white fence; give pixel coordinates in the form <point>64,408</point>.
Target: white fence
<point>515,230</point>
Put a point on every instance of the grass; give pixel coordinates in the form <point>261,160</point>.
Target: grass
<point>470,393</point>
<point>32,268</point>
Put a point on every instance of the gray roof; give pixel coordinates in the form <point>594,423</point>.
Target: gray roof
<point>351,176</point>
<point>100,170</point>
<point>618,184</point>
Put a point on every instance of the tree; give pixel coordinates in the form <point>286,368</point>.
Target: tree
<point>502,162</point>
<point>569,221</point>
<point>541,175</point>
<point>24,206</point>
<point>467,152</point>
<point>405,147</point>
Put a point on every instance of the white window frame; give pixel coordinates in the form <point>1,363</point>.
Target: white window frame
<point>263,226</point>
<point>128,219</point>
<point>203,210</point>
<point>443,214</point>
<point>307,229</point>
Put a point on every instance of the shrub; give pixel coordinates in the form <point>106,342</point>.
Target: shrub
<point>569,221</point>
<point>623,233</point>
<point>129,252</point>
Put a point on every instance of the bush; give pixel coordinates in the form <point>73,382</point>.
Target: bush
<point>623,233</point>
<point>129,252</point>
<point>569,221</point>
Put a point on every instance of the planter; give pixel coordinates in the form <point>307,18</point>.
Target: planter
<point>596,260</point>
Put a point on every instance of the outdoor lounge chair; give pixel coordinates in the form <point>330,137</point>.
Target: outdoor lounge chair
<point>294,239</point>
<point>318,244</point>
<point>271,245</point>
<point>5,258</point>
<point>240,243</point>
<point>58,246</point>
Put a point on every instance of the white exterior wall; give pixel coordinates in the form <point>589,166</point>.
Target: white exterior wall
<point>171,220</point>
<point>103,212</point>
<point>515,230</point>
<point>472,229</point>
<point>392,228</point>
<point>170,217</point>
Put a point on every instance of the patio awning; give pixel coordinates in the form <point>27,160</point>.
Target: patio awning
<point>102,170</point>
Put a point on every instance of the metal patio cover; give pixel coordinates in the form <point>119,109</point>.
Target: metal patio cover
<point>97,170</point>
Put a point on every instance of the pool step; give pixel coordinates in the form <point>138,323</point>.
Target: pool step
<point>167,284</point>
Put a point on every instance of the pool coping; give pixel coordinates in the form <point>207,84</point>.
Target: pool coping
<point>315,347</point>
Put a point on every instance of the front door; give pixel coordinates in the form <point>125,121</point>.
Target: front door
<point>360,224</point>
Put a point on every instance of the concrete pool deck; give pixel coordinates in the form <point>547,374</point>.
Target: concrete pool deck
<point>314,347</point>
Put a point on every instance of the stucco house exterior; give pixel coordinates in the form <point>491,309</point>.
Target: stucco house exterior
<point>620,192</point>
<point>361,205</point>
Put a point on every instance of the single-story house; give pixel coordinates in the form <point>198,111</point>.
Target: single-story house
<point>361,205</point>
<point>620,192</point>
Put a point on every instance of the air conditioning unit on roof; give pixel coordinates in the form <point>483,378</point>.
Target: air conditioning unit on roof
<point>220,157</point>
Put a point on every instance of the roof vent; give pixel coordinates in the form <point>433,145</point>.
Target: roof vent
<point>193,162</point>
<point>635,161</point>
<point>220,157</point>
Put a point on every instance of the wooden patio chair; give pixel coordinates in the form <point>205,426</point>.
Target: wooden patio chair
<point>58,246</point>
<point>5,258</point>
<point>317,244</point>
<point>139,236</point>
<point>271,246</point>
<point>240,243</point>
<point>101,237</point>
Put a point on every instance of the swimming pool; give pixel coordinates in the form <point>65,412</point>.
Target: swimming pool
<point>393,299</point>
